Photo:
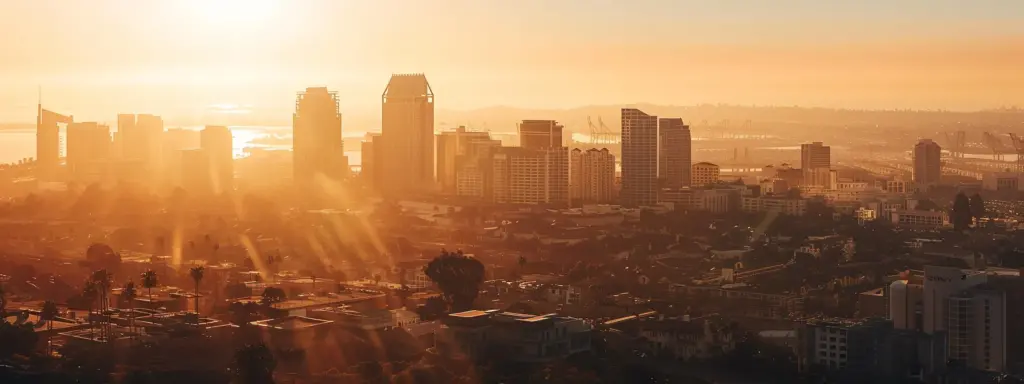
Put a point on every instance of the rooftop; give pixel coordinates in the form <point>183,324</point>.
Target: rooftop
<point>291,323</point>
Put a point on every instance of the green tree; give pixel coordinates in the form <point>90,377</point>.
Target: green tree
<point>458,276</point>
<point>977,207</point>
<point>961,216</point>
<point>197,275</point>
<point>255,364</point>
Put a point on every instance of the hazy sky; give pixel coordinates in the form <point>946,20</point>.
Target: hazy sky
<point>179,58</point>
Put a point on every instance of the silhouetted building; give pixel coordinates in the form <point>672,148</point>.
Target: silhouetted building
<point>174,141</point>
<point>317,147</point>
<point>139,137</point>
<point>530,176</point>
<point>452,148</point>
<point>540,134</point>
<point>639,158</point>
<point>674,153</point>
<point>367,156</point>
<point>592,175</point>
<point>88,148</point>
<point>216,141</point>
<point>408,128</point>
<point>927,163</point>
<point>196,173</point>
<point>815,157</point>
<point>48,142</point>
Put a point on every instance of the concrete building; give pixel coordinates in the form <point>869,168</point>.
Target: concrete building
<point>674,153</point>
<point>530,176</point>
<point>977,328</point>
<point>1002,181</point>
<point>408,128</point>
<point>592,175</point>
<point>639,158</point>
<point>783,205</point>
<point>317,146</point>
<point>454,148</point>
<point>913,218</point>
<point>174,141</point>
<point>48,142</point>
<point>698,199</point>
<point>813,157</point>
<point>704,174</point>
<point>905,305</point>
<point>217,142</point>
<point>88,151</point>
<point>927,163</point>
<point>540,134</point>
<point>367,163</point>
<point>141,141</point>
<point>522,337</point>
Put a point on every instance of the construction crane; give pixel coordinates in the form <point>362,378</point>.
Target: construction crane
<point>1019,147</point>
<point>996,145</point>
<point>956,141</point>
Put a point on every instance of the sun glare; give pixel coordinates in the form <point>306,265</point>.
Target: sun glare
<point>234,12</point>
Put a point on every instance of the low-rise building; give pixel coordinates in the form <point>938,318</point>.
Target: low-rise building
<point>920,219</point>
<point>783,205</point>
<point>685,338</point>
<point>515,336</point>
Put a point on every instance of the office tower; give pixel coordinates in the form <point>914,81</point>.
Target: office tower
<point>317,146</point>
<point>596,169</point>
<point>174,141</point>
<point>48,142</point>
<point>408,128</point>
<point>197,175</point>
<point>639,158</point>
<point>216,141</point>
<point>674,153</point>
<point>366,157</point>
<point>88,147</point>
<point>139,138</point>
<point>977,328</point>
<point>927,163</point>
<point>575,175</point>
<point>813,157</point>
<point>705,174</point>
<point>540,134</point>
<point>453,147</point>
<point>473,168</point>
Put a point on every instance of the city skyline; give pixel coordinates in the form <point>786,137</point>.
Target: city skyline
<point>838,55</point>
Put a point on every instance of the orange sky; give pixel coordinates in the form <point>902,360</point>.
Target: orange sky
<point>180,58</point>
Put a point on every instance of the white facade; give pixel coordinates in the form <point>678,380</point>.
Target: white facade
<point>977,329</point>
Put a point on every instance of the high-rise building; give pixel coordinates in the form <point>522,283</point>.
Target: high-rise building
<point>317,147</point>
<point>139,137</point>
<point>174,141</point>
<point>674,153</point>
<point>48,142</point>
<point>197,175</point>
<point>814,157</point>
<point>540,134</point>
<point>927,163</point>
<point>408,128</point>
<point>88,147</point>
<point>216,141</point>
<point>705,174</point>
<point>366,157</point>
<point>453,147</point>
<point>529,176</point>
<point>639,158</point>
<point>593,174</point>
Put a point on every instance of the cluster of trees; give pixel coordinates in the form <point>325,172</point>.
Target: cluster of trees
<point>966,210</point>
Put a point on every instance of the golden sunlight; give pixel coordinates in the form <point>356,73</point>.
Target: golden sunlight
<point>231,13</point>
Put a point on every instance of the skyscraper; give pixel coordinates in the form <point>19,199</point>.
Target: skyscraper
<point>197,176</point>
<point>639,158</point>
<point>540,134</point>
<point>139,137</point>
<point>927,163</point>
<point>174,141</point>
<point>216,142</point>
<point>814,158</point>
<point>674,153</point>
<point>48,142</point>
<point>593,175</point>
<point>452,148</point>
<point>88,148</point>
<point>530,175</point>
<point>317,147</point>
<point>408,128</point>
<point>366,158</point>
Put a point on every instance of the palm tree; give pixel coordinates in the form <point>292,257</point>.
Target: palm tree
<point>128,293</point>
<point>197,276</point>
<point>48,313</point>
<point>89,293</point>
<point>103,280</point>
<point>313,278</point>
<point>149,282</point>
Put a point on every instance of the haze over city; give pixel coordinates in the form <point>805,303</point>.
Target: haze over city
<point>187,59</point>
<point>559,191</point>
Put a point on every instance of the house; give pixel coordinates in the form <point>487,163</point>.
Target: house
<point>685,338</point>
<point>513,336</point>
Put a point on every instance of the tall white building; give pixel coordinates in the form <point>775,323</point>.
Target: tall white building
<point>959,303</point>
<point>927,163</point>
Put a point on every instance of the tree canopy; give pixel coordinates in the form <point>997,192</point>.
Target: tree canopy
<point>458,276</point>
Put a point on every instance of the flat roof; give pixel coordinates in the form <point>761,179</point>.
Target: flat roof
<point>471,314</point>
<point>291,322</point>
